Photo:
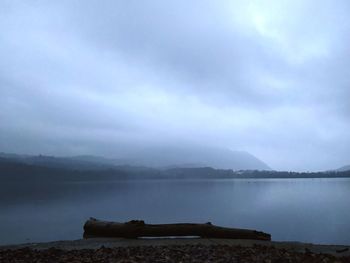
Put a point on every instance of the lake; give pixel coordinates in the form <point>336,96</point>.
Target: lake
<point>307,210</point>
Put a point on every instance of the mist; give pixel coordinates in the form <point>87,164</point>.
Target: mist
<point>269,78</point>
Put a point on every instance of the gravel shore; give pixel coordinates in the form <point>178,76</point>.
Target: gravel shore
<point>173,250</point>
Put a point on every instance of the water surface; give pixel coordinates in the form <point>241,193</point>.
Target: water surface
<point>308,210</point>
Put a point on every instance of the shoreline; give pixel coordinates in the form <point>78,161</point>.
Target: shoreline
<point>173,250</point>
<point>96,243</point>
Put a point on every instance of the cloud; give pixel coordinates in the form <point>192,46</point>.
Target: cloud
<point>267,77</point>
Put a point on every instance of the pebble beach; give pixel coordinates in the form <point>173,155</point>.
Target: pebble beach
<point>173,250</point>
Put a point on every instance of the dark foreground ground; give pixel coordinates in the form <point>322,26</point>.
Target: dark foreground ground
<point>174,251</point>
<point>182,253</point>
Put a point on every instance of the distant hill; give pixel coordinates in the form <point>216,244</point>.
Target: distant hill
<point>344,168</point>
<point>73,163</point>
<point>12,170</point>
<point>160,157</point>
<point>172,156</point>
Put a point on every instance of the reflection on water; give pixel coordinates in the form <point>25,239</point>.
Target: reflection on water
<point>309,210</point>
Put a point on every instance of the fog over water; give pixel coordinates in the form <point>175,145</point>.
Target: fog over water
<point>100,77</point>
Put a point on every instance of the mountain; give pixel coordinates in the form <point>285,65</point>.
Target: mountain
<point>193,156</point>
<point>344,168</point>
<point>15,171</point>
<point>160,157</point>
<point>12,170</point>
<point>199,156</point>
<point>57,162</point>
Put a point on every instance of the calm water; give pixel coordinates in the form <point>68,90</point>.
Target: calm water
<point>309,210</point>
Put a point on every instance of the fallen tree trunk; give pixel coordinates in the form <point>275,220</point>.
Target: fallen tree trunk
<point>138,228</point>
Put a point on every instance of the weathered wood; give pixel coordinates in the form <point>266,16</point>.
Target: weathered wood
<point>138,228</point>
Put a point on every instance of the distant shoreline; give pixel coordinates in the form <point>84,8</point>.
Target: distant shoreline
<point>21,172</point>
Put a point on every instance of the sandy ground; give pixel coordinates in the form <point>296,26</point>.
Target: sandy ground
<point>95,243</point>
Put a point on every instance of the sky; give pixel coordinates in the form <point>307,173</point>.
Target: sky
<point>88,77</point>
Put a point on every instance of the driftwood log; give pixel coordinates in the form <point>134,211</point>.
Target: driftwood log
<point>138,228</point>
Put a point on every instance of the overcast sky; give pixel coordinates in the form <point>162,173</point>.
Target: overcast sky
<point>268,77</point>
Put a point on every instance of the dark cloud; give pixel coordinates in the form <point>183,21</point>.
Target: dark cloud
<point>271,78</point>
